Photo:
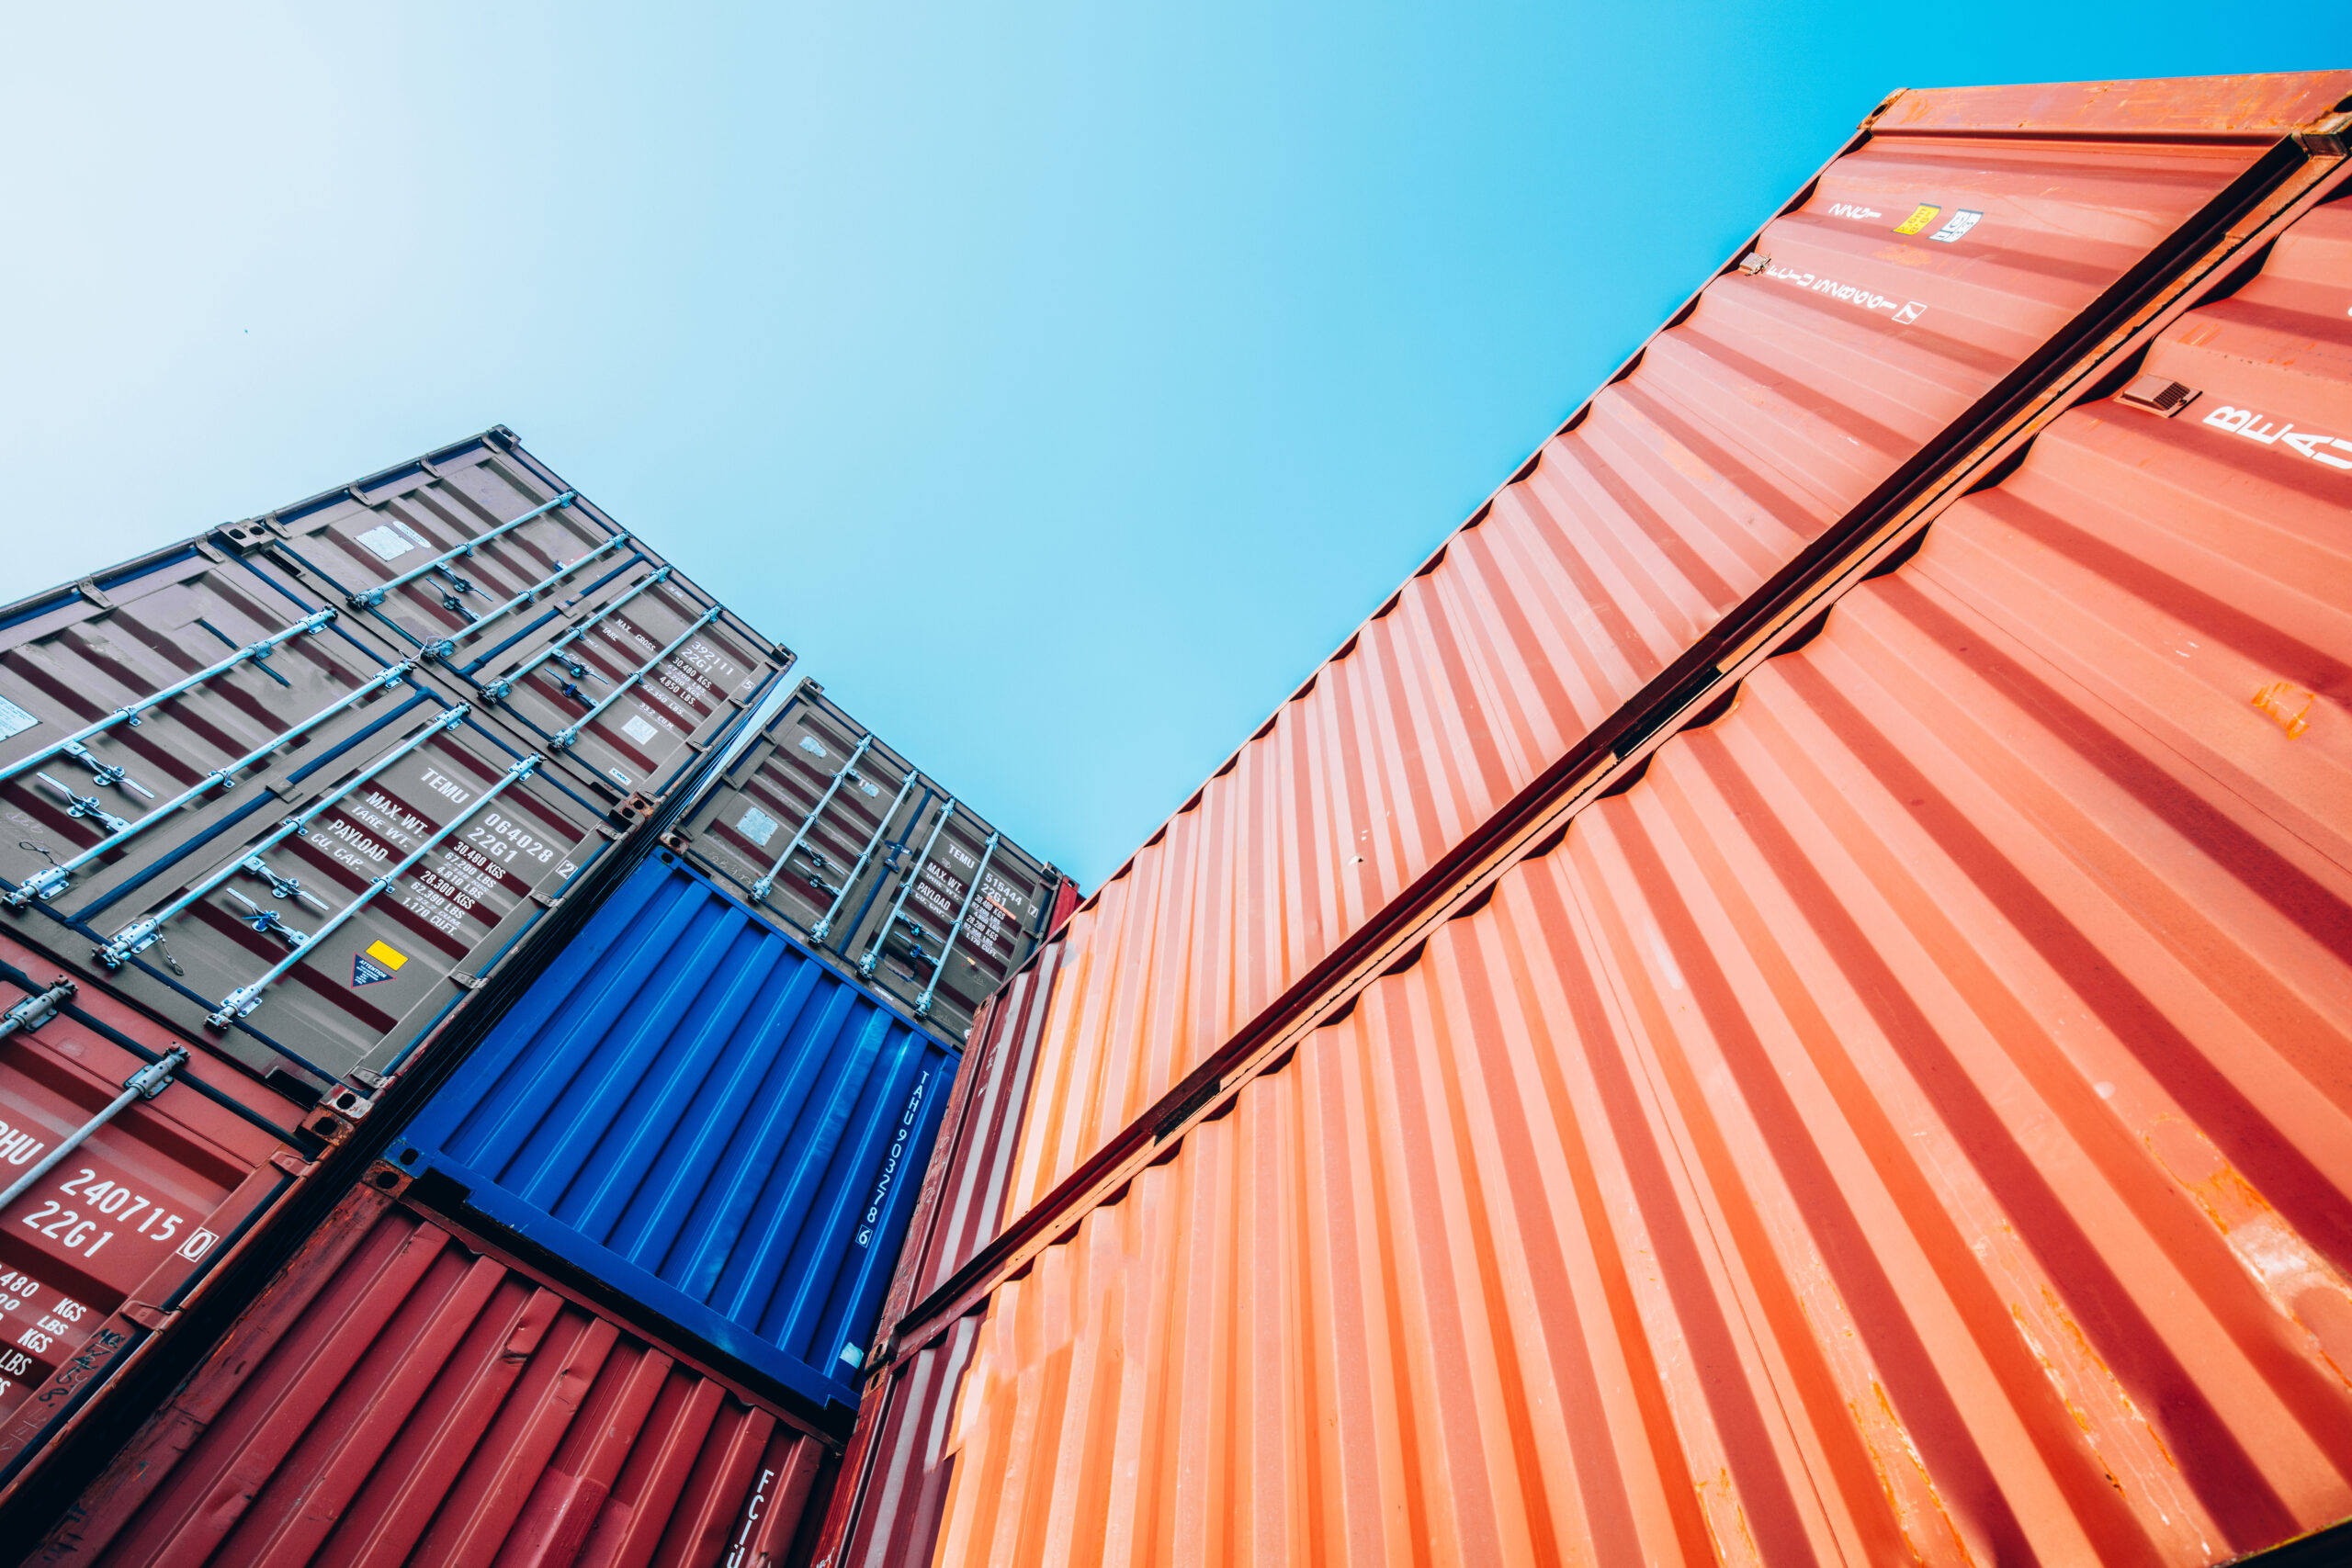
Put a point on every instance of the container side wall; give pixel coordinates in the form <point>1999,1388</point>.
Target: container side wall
<point>1922,268</point>
<point>429,1406</point>
<point>1911,1122</point>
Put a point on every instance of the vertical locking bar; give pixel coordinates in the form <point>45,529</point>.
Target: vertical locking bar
<point>148,1081</point>
<point>760,888</point>
<point>368,598</point>
<point>130,714</point>
<point>923,1003</point>
<point>816,932</point>
<point>138,933</point>
<point>446,648</point>
<point>873,953</point>
<point>505,684</point>
<point>563,738</point>
<point>46,882</point>
<point>244,999</point>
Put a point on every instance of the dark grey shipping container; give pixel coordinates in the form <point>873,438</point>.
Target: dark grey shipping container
<point>241,804</point>
<point>845,842</point>
<point>480,562</point>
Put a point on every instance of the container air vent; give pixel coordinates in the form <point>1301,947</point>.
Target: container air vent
<point>2158,395</point>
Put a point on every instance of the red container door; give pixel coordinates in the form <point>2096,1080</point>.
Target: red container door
<point>105,1248</point>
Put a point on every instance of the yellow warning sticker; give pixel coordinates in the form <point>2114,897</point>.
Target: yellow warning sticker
<point>1921,216</point>
<point>386,956</point>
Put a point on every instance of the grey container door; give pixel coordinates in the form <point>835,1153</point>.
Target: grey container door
<point>573,634</point>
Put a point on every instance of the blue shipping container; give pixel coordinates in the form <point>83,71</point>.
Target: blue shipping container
<point>690,1109</point>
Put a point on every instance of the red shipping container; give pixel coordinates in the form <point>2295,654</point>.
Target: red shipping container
<point>1944,257</point>
<point>398,1397</point>
<point>107,1248</point>
<point>1908,1121</point>
<point>1911,1122</point>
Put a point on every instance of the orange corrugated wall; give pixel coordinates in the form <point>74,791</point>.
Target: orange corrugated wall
<point>1912,1122</point>
<point>1744,429</point>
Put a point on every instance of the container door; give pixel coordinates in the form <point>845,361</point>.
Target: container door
<point>321,916</point>
<point>591,648</point>
<point>104,1248</point>
<point>863,856</point>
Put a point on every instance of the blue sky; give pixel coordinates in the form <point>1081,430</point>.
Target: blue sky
<point>1063,381</point>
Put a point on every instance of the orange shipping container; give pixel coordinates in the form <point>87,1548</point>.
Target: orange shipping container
<point>1914,291</point>
<point>1911,1121</point>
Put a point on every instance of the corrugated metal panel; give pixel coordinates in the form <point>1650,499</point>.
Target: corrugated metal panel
<point>1922,268</point>
<point>965,1188</point>
<point>1911,1122</point>
<point>563,625</point>
<point>904,1456</point>
<point>858,852</point>
<point>105,1249</point>
<point>398,1398</point>
<point>210,707</point>
<point>692,1111</point>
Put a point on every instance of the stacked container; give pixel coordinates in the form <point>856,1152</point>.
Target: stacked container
<point>824,828</point>
<point>716,1101</point>
<point>285,799</point>
<point>1784,998</point>
<point>675,1167</point>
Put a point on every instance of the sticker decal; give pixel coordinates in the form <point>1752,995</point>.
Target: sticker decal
<point>386,542</point>
<point>757,826</point>
<point>378,963</point>
<point>636,729</point>
<point>1909,313</point>
<point>1921,216</point>
<point>14,720</point>
<point>813,746</point>
<point>2311,443</point>
<point>1958,223</point>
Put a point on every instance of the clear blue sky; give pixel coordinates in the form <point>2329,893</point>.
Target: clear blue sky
<point>1063,381</point>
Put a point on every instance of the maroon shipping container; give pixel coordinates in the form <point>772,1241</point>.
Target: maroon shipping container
<point>396,1396</point>
<point>105,1249</point>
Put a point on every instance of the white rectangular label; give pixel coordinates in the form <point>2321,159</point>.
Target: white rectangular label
<point>386,542</point>
<point>636,729</point>
<point>1958,223</point>
<point>14,720</point>
<point>757,826</point>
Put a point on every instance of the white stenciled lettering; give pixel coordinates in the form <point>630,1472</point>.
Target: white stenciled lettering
<point>2332,450</point>
<point>1848,293</point>
<point>447,787</point>
<point>359,840</point>
<point>18,1146</point>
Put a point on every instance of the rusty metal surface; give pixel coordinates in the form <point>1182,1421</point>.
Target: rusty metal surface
<point>1743,431</point>
<point>826,828</point>
<point>561,624</point>
<point>106,1250</point>
<point>396,1398</point>
<point>2252,105</point>
<point>1909,1122</point>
